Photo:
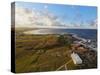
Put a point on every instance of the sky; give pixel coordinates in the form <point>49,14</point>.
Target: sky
<point>43,15</point>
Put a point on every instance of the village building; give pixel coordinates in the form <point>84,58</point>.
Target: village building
<point>76,59</point>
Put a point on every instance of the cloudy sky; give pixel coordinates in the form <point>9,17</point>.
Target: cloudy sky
<point>40,15</point>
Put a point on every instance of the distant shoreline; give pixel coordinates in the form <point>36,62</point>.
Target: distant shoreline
<point>85,33</point>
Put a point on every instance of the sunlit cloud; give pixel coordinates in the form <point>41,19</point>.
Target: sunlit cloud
<point>33,18</point>
<point>44,19</point>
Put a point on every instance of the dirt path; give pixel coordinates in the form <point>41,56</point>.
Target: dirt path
<point>64,65</point>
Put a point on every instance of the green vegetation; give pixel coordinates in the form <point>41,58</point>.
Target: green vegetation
<point>41,52</point>
<point>36,53</point>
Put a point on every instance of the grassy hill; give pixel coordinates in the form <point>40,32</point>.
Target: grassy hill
<point>41,52</point>
<point>38,53</point>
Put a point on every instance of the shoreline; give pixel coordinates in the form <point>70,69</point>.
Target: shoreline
<point>80,40</point>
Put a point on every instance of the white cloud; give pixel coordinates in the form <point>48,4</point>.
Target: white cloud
<point>93,24</point>
<point>43,19</point>
<point>32,18</point>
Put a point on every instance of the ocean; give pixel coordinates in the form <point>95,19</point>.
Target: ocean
<point>84,33</point>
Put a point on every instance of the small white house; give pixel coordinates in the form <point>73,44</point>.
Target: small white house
<point>76,59</point>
